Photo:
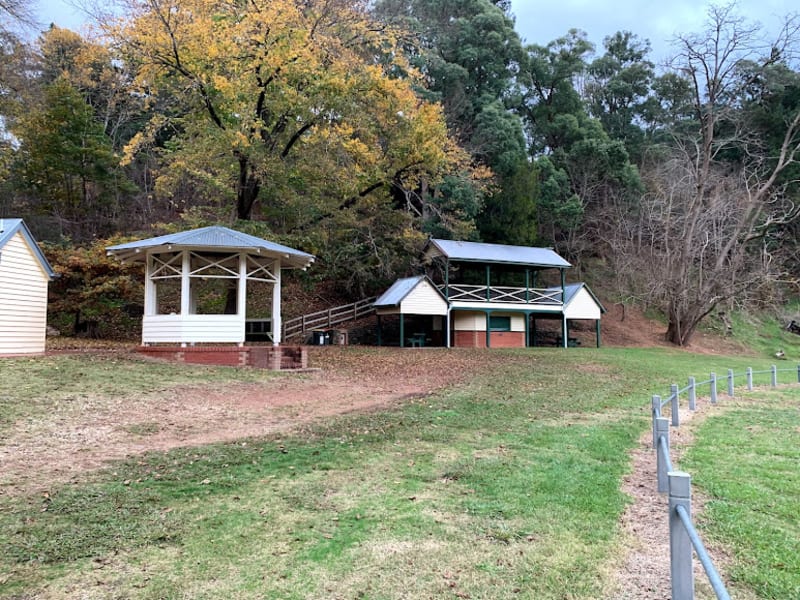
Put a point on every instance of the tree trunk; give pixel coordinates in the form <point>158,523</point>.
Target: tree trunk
<point>247,189</point>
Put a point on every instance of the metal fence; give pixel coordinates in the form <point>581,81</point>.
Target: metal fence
<point>683,536</point>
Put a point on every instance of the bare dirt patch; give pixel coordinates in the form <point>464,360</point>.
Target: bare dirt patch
<point>84,434</point>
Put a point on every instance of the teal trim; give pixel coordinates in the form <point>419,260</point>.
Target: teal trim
<point>502,323</point>
<point>597,331</point>
<point>488,329</point>
<point>402,332</point>
<point>488,283</point>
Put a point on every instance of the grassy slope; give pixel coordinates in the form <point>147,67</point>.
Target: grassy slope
<point>505,487</point>
<point>753,500</point>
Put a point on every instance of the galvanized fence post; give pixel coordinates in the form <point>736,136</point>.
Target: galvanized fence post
<point>730,383</point>
<point>676,419</point>
<point>656,414</point>
<point>693,393</point>
<point>774,376</point>
<point>662,460</point>
<point>713,388</point>
<point>798,373</point>
<point>680,546</point>
<point>749,379</point>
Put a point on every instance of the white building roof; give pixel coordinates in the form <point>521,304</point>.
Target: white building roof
<point>495,253</point>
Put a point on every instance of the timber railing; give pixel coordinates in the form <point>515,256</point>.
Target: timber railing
<point>325,319</point>
<point>683,536</point>
<point>517,295</point>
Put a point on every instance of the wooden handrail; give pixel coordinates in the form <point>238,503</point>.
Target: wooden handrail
<point>328,317</point>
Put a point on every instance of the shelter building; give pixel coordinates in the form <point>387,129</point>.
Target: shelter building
<point>490,295</point>
<point>24,275</point>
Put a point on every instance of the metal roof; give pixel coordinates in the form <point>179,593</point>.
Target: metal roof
<point>213,238</point>
<point>495,253</point>
<point>9,227</point>
<point>402,288</point>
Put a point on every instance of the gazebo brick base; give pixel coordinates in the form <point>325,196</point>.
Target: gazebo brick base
<point>274,358</point>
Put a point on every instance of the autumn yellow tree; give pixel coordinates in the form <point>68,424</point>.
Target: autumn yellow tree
<point>269,100</point>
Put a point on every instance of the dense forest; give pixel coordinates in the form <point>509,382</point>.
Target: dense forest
<point>356,129</point>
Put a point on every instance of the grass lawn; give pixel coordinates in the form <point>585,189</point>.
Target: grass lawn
<point>754,497</point>
<point>507,486</point>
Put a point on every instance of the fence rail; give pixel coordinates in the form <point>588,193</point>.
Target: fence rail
<point>682,533</point>
<point>325,319</point>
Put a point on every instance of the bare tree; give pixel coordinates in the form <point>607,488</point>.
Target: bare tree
<point>716,193</point>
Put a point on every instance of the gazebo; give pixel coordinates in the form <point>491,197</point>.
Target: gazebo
<point>196,286</point>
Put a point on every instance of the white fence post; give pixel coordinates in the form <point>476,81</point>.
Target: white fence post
<point>692,394</point>
<point>749,379</point>
<point>713,388</point>
<point>680,546</point>
<point>730,383</point>
<point>774,376</point>
<point>656,404</point>
<point>676,419</point>
<point>662,455</point>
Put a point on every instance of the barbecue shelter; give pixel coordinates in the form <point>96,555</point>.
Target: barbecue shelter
<point>488,295</point>
<point>196,286</point>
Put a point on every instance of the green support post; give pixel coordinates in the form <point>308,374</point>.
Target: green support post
<point>527,287</point>
<point>402,332</point>
<point>447,279</point>
<point>488,329</point>
<point>380,331</point>
<point>597,331</point>
<point>488,283</point>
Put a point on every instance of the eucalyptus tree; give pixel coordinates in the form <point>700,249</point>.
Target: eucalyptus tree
<point>726,179</point>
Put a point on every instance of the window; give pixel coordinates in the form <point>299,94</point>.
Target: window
<point>499,323</point>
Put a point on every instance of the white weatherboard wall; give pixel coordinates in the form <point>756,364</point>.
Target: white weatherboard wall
<point>192,329</point>
<point>23,299</point>
<point>424,299</point>
<point>582,306</point>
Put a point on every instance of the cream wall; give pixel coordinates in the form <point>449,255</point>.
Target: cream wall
<point>23,299</point>
<point>476,321</point>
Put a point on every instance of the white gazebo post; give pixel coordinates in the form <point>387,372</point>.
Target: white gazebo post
<point>276,304</point>
<point>241,289</point>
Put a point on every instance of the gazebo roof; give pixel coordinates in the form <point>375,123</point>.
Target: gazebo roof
<point>495,254</point>
<point>212,239</point>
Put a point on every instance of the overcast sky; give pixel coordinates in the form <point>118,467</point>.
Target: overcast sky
<point>540,21</point>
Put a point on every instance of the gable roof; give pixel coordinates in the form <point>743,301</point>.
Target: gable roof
<point>10,227</point>
<point>401,289</point>
<point>495,253</point>
<point>213,238</point>
<point>571,290</point>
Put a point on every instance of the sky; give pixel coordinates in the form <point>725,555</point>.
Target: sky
<point>540,21</point>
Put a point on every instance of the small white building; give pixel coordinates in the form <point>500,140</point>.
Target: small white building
<point>24,275</point>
